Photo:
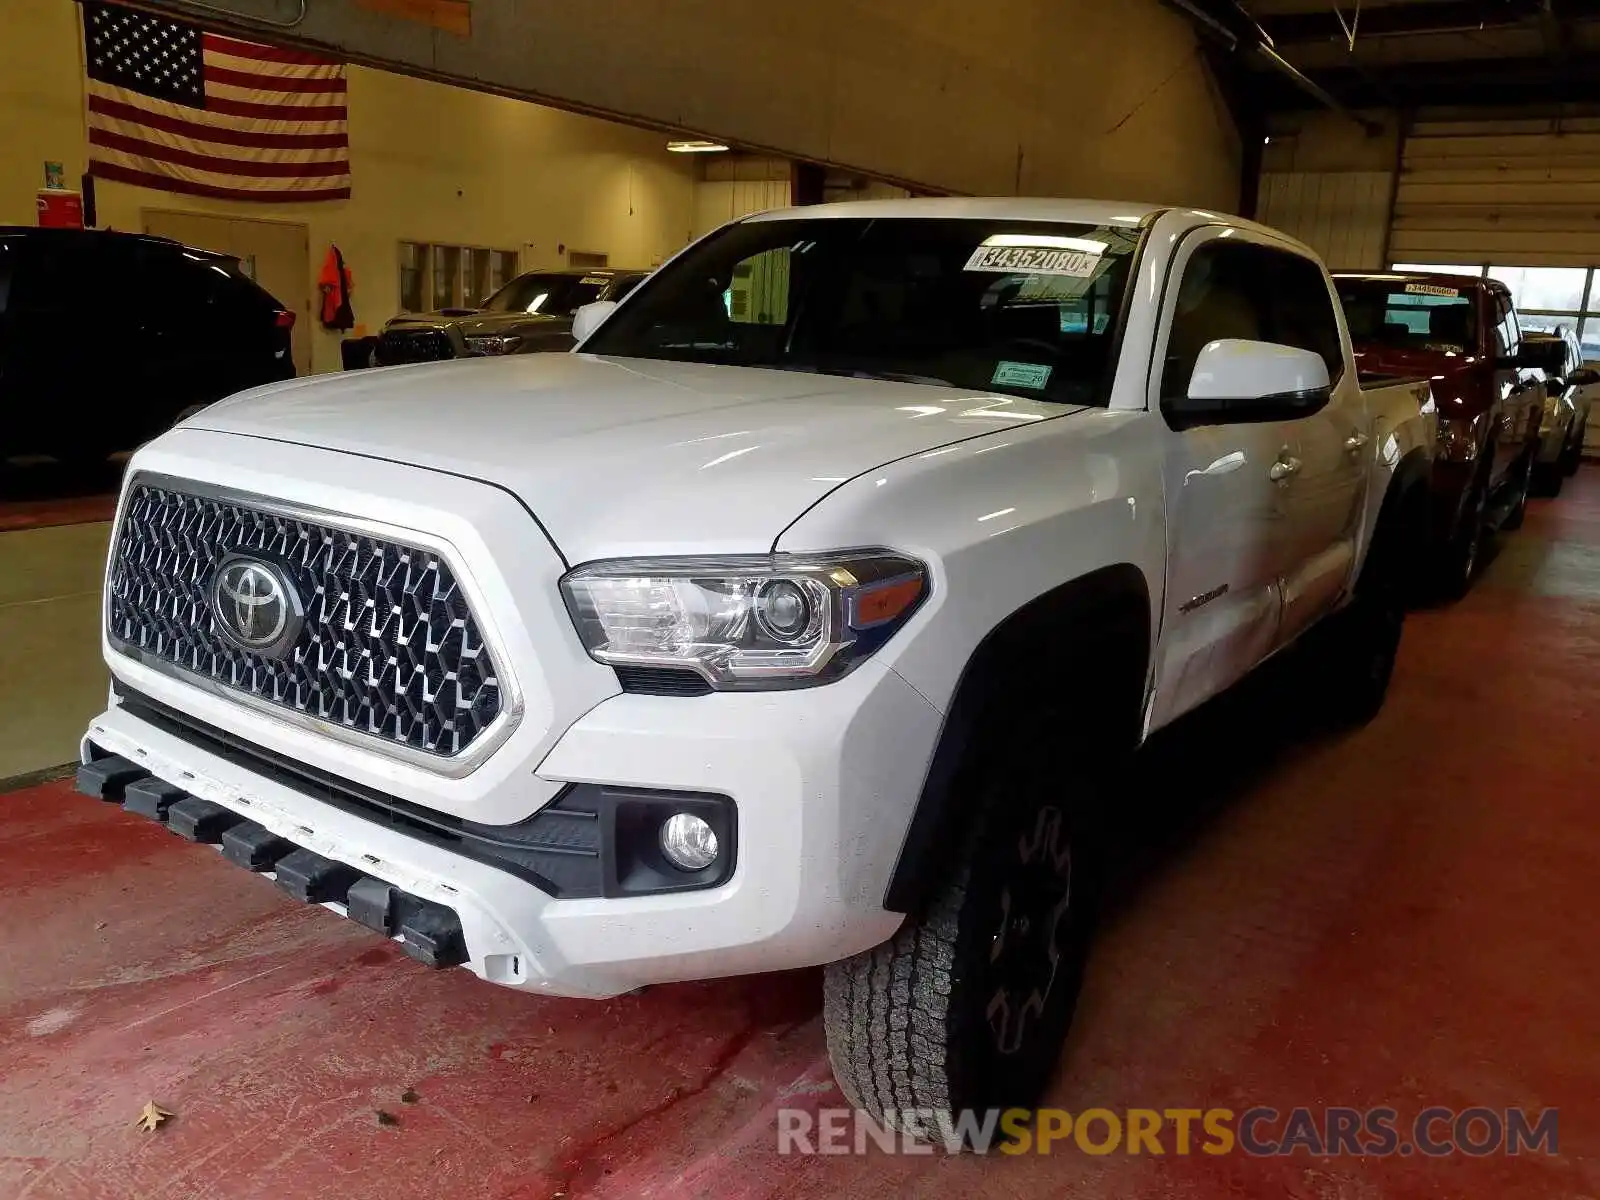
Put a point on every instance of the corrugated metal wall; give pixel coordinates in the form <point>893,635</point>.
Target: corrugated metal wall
<point>1523,191</point>
<point>735,186</point>
<point>1342,215</point>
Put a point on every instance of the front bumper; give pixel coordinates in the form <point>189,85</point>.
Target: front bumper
<point>825,781</point>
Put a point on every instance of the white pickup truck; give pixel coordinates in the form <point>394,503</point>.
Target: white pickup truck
<point>804,615</point>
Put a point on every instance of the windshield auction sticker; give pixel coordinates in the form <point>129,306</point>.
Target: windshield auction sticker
<point>1034,376</point>
<point>1432,289</point>
<point>1034,260</point>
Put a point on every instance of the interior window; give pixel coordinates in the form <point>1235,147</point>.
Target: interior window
<point>758,293</point>
<point>1253,293</point>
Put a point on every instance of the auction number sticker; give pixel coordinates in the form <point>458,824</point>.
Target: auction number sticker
<point>1034,376</point>
<point>1432,289</point>
<point>1035,260</point>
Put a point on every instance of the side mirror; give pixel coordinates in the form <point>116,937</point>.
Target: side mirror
<point>1236,381</point>
<point>589,318</point>
<point>1550,357</point>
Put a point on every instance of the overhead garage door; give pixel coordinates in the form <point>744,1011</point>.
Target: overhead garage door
<point>1518,199</point>
<point>1522,192</point>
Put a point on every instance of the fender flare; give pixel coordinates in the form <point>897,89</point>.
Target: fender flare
<point>1408,496</point>
<point>1103,617</point>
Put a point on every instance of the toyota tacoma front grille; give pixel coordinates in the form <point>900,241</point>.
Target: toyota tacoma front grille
<point>389,646</point>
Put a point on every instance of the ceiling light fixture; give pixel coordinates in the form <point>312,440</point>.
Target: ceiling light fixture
<point>696,147</point>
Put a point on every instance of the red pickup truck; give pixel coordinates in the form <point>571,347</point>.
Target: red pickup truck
<point>1461,333</point>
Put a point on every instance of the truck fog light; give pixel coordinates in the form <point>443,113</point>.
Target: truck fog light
<point>689,843</point>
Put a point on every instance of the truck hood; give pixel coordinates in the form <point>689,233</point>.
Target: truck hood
<point>479,324</point>
<point>629,456</point>
<point>1425,364</point>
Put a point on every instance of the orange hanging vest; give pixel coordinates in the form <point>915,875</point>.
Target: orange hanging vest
<point>337,285</point>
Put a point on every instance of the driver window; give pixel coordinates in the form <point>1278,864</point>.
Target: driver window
<point>1215,301</point>
<point>1253,293</point>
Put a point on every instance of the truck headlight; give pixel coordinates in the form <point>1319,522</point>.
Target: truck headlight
<point>1458,439</point>
<point>492,345</point>
<point>745,622</point>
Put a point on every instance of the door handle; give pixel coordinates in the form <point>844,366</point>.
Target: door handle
<point>1355,442</point>
<point>1284,469</point>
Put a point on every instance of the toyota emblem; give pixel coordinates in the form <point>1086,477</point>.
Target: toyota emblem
<point>256,607</point>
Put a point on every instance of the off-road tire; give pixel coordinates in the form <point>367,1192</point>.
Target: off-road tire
<point>1572,456</point>
<point>1359,645</point>
<point>1519,510</point>
<point>1462,555</point>
<point>1548,479</point>
<point>942,1017</point>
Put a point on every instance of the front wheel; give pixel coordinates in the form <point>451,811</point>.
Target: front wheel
<point>1572,456</point>
<point>1459,562</point>
<point>1548,480</point>
<point>968,1005</point>
<point>1524,485</point>
<point>1360,644</point>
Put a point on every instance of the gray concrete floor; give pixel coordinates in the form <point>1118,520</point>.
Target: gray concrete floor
<point>51,677</point>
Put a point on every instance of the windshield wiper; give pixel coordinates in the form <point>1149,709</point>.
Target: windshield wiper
<point>901,377</point>
<point>856,373</point>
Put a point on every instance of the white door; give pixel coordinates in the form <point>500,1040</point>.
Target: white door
<point>1229,538</point>
<point>1325,496</point>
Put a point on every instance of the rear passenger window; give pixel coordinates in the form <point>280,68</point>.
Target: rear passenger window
<point>1253,293</point>
<point>194,291</point>
<point>60,273</point>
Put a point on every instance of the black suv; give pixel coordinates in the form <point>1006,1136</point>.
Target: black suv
<point>531,314</point>
<point>107,338</point>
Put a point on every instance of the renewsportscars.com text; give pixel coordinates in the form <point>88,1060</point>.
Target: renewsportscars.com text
<point>1433,1132</point>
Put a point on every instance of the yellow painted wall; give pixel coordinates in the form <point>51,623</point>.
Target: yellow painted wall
<point>429,163</point>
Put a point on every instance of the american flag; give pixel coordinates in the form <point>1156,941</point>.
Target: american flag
<point>176,108</point>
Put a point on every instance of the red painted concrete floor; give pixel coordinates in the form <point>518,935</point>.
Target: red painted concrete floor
<point>1402,916</point>
<point>48,493</point>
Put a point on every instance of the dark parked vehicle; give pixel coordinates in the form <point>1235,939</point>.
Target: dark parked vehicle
<point>530,315</point>
<point>1570,391</point>
<point>1460,332</point>
<point>108,338</point>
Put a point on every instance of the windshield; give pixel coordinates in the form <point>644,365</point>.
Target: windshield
<point>1027,308</point>
<point>549,295</point>
<point>1409,315</point>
